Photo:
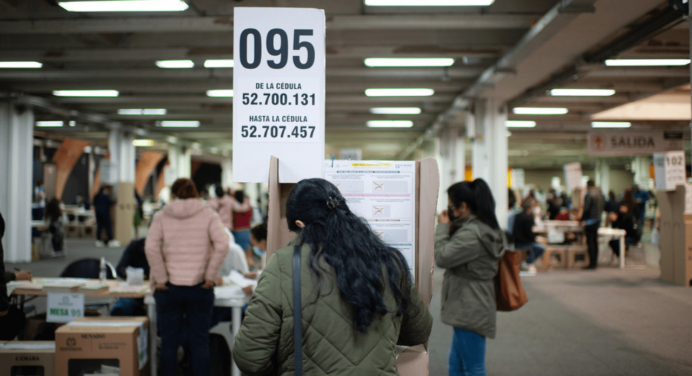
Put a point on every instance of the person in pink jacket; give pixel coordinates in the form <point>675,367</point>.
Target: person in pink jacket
<point>224,204</point>
<point>184,270</point>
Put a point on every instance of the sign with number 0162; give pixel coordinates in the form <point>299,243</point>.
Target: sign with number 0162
<point>278,93</point>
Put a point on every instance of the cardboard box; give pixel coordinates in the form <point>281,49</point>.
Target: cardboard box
<point>413,360</point>
<point>27,358</point>
<point>91,345</point>
<point>676,237</point>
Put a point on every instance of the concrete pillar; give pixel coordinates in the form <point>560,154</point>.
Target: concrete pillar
<point>640,169</point>
<point>490,151</point>
<point>602,177</point>
<point>227,172</point>
<point>441,162</point>
<point>180,159</point>
<point>122,153</point>
<point>459,156</point>
<point>16,164</point>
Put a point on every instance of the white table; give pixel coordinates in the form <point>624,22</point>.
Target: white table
<point>236,305</point>
<point>619,233</point>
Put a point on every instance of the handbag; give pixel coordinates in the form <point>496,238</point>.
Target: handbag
<point>509,292</point>
<point>297,315</point>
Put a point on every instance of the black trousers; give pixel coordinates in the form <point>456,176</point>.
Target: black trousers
<point>591,232</point>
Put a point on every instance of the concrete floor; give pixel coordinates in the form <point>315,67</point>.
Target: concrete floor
<point>603,322</point>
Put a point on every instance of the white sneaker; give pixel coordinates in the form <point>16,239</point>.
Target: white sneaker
<point>114,243</point>
<point>532,269</point>
<point>100,244</point>
<point>524,266</point>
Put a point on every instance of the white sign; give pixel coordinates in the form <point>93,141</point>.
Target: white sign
<point>109,172</point>
<point>670,170</point>
<point>573,176</point>
<point>633,142</point>
<point>384,193</point>
<point>278,93</point>
<point>64,307</point>
<point>518,178</point>
<point>169,175</point>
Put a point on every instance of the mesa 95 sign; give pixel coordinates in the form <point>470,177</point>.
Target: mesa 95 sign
<point>278,93</point>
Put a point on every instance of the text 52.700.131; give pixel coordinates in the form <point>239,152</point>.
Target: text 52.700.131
<point>277,131</point>
<point>255,99</point>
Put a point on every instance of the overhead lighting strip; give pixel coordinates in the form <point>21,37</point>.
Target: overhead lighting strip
<point>124,6</point>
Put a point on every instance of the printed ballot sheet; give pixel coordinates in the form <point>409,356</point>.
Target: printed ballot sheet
<point>384,193</point>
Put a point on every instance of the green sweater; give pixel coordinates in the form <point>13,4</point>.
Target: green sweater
<point>471,257</point>
<point>331,343</point>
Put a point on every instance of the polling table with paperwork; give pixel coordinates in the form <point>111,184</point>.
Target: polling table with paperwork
<point>224,296</point>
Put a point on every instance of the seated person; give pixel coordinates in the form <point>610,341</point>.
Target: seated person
<point>258,239</point>
<point>623,219</point>
<point>133,257</point>
<point>235,260</point>
<point>525,238</point>
<point>563,215</point>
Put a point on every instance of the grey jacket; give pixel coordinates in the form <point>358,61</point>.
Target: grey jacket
<point>471,257</point>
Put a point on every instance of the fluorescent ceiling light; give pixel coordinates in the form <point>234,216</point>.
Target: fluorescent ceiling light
<point>85,93</point>
<point>124,6</point>
<point>429,3</point>
<point>49,123</point>
<point>408,62</point>
<point>611,124</point>
<point>539,111</point>
<point>390,124</point>
<point>179,124</point>
<point>520,123</point>
<point>143,142</point>
<point>582,92</point>
<point>395,110</point>
<point>175,64</point>
<point>227,63</point>
<point>20,64</point>
<point>220,93</point>
<point>399,92</point>
<point>647,62</point>
<point>142,111</point>
<point>72,123</point>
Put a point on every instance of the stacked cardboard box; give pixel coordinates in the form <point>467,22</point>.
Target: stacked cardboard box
<point>29,358</point>
<point>102,346</point>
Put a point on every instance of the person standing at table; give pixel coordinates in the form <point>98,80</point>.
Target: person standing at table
<point>102,209</point>
<point>469,244</point>
<point>358,297</point>
<point>591,220</point>
<point>242,219</point>
<point>224,205</point>
<point>183,271</point>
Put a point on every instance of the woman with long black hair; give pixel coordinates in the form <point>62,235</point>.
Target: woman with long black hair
<point>358,300</point>
<point>469,244</point>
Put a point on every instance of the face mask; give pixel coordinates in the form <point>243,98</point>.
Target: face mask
<point>258,252</point>
<point>450,213</point>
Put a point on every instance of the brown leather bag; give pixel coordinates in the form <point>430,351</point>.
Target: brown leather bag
<point>509,292</point>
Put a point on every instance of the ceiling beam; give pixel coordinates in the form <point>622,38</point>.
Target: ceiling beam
<point>207,24</point>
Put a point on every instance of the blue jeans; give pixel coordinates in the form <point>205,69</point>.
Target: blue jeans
<point>242,238</point>
<point>467,356</point>
<point>536,248</point>
<point>189,306</point>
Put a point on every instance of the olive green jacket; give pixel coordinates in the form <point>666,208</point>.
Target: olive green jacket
<point>331,343</point>
<point>471,257</point>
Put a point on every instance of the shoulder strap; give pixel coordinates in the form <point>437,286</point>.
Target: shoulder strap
<point>297,314</point>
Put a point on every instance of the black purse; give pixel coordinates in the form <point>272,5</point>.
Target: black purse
<point>297,315</point>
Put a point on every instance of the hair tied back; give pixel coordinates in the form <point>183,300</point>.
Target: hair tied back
<point>333,203</point>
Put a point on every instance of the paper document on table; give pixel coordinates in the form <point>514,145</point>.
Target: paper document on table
<point>384,193</point>
<point>241,281</point>
<point>228,292</point>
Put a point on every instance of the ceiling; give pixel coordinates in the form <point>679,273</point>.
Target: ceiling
<point>513,50</point>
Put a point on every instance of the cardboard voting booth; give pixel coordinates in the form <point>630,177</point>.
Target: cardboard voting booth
<point>27,358</point>
<point>676,237</point>
<point>102,345</point>
<point>412,361</point>
<point>124,213</point>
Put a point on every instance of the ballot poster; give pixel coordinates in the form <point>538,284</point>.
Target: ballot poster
<point>384,193</point>
<point>278,93</point>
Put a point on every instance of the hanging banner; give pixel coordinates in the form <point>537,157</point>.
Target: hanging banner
<point>278,93</point>
<point>633,142</point>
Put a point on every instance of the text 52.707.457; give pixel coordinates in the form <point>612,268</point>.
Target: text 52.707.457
<point>277,131</point>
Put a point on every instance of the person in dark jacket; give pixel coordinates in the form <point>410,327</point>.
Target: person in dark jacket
<point>102,209</point>
<point>591,220</point>
<point>611,206</point>
<point>133,257</point>
<point>525,238</point>
<point>358,298</point>
<point>624,219</point>
<point>470,252</point>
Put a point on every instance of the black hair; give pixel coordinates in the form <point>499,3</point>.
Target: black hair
<point>590,183</point>
<point>259,232</point>
<point>53,211</point>
<point>511,198</point>
<point>347,244</point>
<point>477,196</point>
<point>240,196</point>
<point>219,191</point>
